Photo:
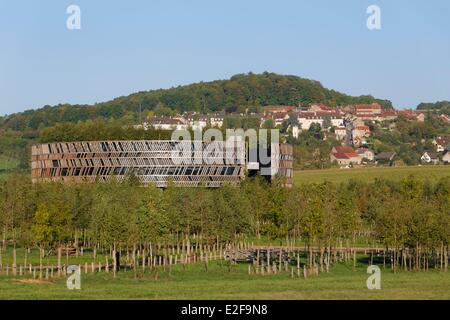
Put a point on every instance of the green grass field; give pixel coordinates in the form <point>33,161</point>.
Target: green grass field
<point>343,282</point>
<point>220,282</point>
<point>369,174</point>
<point>193,282</point>
<point>8,163</point>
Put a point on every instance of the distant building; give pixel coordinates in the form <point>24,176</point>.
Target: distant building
<point>361,131</point>
<point>446,157</point>
<point>280,117</point>
<point>359,142</point>
<point>341,133</point>
<point>420,117</point>
<point>216,120</point>
<point>196,120</point>
<point>412,115</point>
<point>306,118</point>
<point>441,143</point>
<point>367,111</point>
<point>320,108</point>
<point>445,118</point>
<point>281,164</point>
<point>366,153</point>
<point>430,157</point>
<point>387,115</point>
<point>278,109</point>
<point>385,158</point>
<point>184,163</point>
<point>166,123</point>
<point>295,131</point>
<point>344,156</point>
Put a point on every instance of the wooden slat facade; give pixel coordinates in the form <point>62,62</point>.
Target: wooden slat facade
<point>284,159</point>
<point>208,164</point>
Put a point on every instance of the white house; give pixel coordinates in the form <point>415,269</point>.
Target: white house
<point>295,131</point>
<point>280,117</point>
<point>307,118</point>
<point>441,143</point>
<point>341,133</point>
<point>445,117</point>
<point>361,131</point>
<point>195,120</point>
<point>366,153</point>
<point>198,124</point>
<point>216,120</point>
<point>446,157</point>
<point>165,123</point>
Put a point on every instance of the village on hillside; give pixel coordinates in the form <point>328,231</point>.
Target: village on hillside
<point>350,126</point>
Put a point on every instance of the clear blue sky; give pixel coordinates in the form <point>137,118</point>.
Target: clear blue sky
<point>127,46</point>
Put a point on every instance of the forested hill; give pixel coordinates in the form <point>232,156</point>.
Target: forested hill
<point>241,91</point>
<point>440,105</point>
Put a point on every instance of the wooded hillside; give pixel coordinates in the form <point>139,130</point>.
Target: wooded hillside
<point>241,91</point>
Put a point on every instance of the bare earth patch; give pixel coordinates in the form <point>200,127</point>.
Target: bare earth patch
<point>34,281</point>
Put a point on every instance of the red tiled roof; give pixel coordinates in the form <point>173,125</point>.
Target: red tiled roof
<point>387,113</point>
<point>279,108</point>
<point>373,106</point>
<point>445,118</point>
<point>322,106</point>
<point>280,115</point>
<point>319,114</point>
<point>169,121</point>
<point>443,141</point>
<point>344,149</point>
<point>341,156</point>
<point>348,152</point>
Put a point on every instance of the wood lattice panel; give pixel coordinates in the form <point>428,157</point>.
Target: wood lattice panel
<point>209,164</point>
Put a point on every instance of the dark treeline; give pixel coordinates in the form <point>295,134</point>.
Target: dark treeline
<point>442,106</point>
<point>15,145</point>
<point>99,131</point>
<point>411,218</point>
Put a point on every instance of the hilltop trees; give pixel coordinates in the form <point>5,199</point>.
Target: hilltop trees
<point>442,106</point>
<point>243,90</point>
<point>99,130</point>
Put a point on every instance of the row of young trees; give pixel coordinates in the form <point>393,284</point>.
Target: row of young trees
<point>411,215</point>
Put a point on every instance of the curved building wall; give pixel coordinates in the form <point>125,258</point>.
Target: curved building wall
<point>186,163</point>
